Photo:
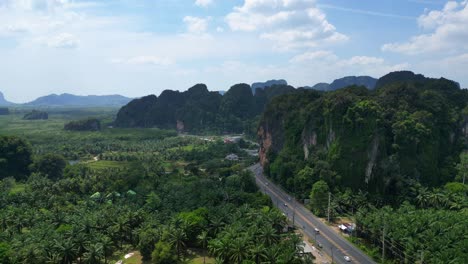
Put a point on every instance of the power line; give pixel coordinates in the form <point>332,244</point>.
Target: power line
<point>398,252</point>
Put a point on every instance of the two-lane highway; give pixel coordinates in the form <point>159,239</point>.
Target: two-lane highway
<point>333,244</point>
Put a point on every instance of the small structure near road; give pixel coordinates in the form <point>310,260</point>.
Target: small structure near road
<point>347,228</point>
<point>232,157</point>
<point>232,140</point>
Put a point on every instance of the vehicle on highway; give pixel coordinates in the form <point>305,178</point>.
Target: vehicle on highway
<point>316,230</point>
<point>320,245</point>
<point>285,205</point>
<point>348,259</point>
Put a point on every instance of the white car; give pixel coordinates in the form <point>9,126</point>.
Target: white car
<point>348,259</point>
<point>316,230</point>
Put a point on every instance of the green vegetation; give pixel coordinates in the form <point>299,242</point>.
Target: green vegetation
<point>89,124</point>
<point>375,141</point>
<point>199,111</point>
<point>392,159</point>
<point>4,111</point>
<point>15,157</point>
<point>144,190</point>
<point>36,115</point>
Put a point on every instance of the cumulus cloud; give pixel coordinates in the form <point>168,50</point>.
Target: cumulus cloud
<point>291,24</point>
<point>447,30</point>
<point>196,25</point>
<point>362,60</point>
<point>34,4</point>
<point>356,65</point>
<point>313,55</point>
<point>203,3</point>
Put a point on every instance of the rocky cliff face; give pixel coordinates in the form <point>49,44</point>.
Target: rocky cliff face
<point>370,140</point>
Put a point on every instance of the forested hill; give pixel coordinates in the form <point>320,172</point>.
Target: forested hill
<point>411,128</point>
<point>198,109</point>
<point>3,101</point>
<point>340,83</point>
<point>78,100</point>
<point>263,85</point>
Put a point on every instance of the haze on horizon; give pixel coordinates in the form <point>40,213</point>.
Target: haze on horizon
<point>138,47</point>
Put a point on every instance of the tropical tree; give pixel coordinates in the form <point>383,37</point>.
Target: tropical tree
<point>163,254</point>
<point>94,253</point>
<point>203,239</point>
<point>319,197</point>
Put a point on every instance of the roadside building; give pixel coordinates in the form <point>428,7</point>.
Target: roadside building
<point>232,157</point>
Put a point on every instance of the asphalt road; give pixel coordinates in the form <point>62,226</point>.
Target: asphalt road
<point>333,244</point>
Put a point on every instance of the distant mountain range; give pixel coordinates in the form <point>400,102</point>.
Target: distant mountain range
<point>78,100</point>
<point>72,100</point>
<point>367,81</point>
<point>3,101</point>
<point>263,85</point>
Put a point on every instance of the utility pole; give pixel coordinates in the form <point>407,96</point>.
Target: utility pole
<point>294,211</point>
<point>329,199</point>
<point>464,173</point>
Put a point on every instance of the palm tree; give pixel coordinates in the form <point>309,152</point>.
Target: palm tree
<point>79,241</point>
<point>423,197</point>
<point>257,251</point>
<point>30,254</point>
<point>277,220</point>
<point>94,253</point>
<point>177,238</point>
<point>297,243</point>
<point>219,248</point>
<point>216,223</point>
<point>66,250</point>
<point>289,256</point>
<point>238,250</point>
<point>121,227</point>
<point>268,235</point>
<point>107,246</point>
<point>272,254</point>
<point>53,258</point>
<point>203,239</point>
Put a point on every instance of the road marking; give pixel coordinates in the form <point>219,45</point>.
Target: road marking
<point>305,219</point>
<point>279,194</point>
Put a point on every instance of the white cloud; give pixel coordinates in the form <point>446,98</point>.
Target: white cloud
<point>196,25</point>
<point>291,24</point>
<point>362,60</point>
<point>63,40</point>
<point>339,67</point>
<point>144,60</point>
<point>203,3</point>
<point>448,32</point>
<point>313,55</point>
<point>30,5</point>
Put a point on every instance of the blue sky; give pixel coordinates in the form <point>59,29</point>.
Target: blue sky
<point>140,47</point>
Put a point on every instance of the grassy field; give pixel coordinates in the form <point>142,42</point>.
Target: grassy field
<point>105,164</point>
<point>196,257</point>
<point>48,136</point>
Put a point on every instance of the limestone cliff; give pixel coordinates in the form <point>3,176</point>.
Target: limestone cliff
<point>371,140</point>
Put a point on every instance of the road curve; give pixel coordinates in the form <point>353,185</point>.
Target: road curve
<point>333,244</point>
